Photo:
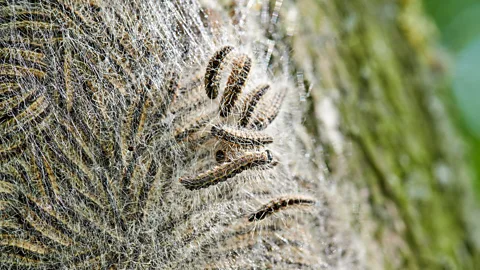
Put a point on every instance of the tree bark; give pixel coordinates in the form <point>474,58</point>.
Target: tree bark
<point>117,153</point>
<point>377,71</point>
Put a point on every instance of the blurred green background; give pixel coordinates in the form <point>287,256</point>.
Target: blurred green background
<point>459,24</point>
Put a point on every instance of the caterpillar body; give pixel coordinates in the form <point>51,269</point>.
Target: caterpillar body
<point>279,204</point>
<point>241,137</point>
<point>250,103</point>
<point>267,112</point>
<point>212,73</point>
<point>101,107</point>
<point>228,170</point>
<point>235,84</point>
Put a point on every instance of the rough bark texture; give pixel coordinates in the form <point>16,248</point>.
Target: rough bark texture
<point>377,71</point>
<point>108,159</point>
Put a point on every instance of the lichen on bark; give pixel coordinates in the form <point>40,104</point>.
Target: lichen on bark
<point>380,67</point>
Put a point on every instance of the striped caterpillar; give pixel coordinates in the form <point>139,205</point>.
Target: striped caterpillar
<point>227,170</point>
<point>98,110</point>
<point>257,113</point>
<point>268,112</point>
<point>212,73</point>
<point>279,204</point>
<point>192,127</point>
<point>251,101</point>
<point>236,82</point>
<point>241,137</point>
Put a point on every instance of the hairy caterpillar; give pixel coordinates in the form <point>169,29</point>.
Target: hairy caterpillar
<point>227,170</point>
<point>241,137</point>
<point>101,107</point>
<point>236,81</point>
<point>212,73</point>
<point>251,101</point>
<point>192,127</point>
<point>267,112</point>
<point>278,205</point>
<point>11,71</point>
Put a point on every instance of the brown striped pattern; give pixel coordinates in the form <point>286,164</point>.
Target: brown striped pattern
<point>277,205</point>
<point>235,84</point>
<point>227,170</point>
<point>93,126</point>
<point>54,140</point>
<point>214,68</point>
<point>241,137</point>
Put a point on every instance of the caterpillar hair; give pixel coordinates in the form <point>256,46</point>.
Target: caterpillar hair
<point>279,204</point>
<point>241,137</point>
<point>267,113</point>
<point>251,101</point>
<point>227,170</point>
<point>236,81</point>
<point>212,73</point>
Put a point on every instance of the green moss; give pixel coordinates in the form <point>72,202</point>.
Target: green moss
<point>384,65</point>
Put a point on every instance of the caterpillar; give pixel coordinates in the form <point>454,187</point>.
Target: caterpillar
<point>227,170</point>
<point>251,101</point>
<point>212,73</point>
<point>241,137</point>
<point>279,204</point>
<point>268,112</point>
<point>98,112</point>
<point>235,83</point>
<point>192,127</point>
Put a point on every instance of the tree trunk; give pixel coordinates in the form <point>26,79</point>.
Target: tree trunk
<point>185,135</point>
<point>377,105</point>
